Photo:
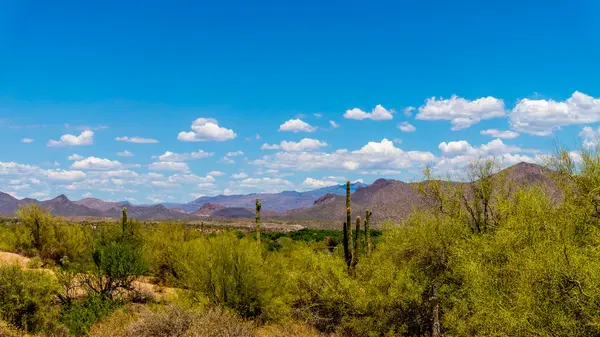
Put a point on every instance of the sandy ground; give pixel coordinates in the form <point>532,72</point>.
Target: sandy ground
<point>142,285</point>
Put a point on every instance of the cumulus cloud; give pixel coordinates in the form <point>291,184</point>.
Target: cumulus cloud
<point>235,154</point>
<point>169,166</point>
<point>297,125</point>
<point>590,137</point>
<point>461,112</point>
<point>172,156</point>
<point>216,173</point>
<point>407,127</point>
<point>316,183</point>
<point>408,111</point>
<point>265,184</point>
<point>542,117</point>
<point>125,154</point>
<point>306,144</point>
<point>379,113</point>
<point>136,140</point>
<point>95,163</point>
<point>206,129</point>
<point>266,146</point>
<point>227,160</point>
<point>505,134</point>
<point>458,154</point>
<point>75,157</point>
<point>241,175</point>
<point>85,138</point>
<point>334,124</point>
<point>64,175</point>
<point>374,155</point>
<point>27,140</point>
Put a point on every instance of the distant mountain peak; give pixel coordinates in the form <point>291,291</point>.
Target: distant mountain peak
<point>61,198</point>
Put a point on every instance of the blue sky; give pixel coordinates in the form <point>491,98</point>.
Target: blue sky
<point>200,80</point>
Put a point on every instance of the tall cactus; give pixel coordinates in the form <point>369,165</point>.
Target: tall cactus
<point>348,228</point>
<point>258,207</point>
<point>124,220</point>
<point>368,232</point>
<point>356,247</point>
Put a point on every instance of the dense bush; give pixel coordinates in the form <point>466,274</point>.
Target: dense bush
<point>79,316</point>
<point>233,273</point>
<point>26,298</point>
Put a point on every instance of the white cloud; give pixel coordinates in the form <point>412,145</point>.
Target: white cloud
<point>407,127</point>
<point>458,154</point>
<point>408,111</point>
<point>118,173</point>
<point>227,160</point>
<point>317,115</point>
<point>94,163</point>
<point>75,157</point>
<point>172,156</point>
<point>591,137</point>
<point>27,140</point>
<point>316,183</point>
<point>374,155</point>
<point>239,175</point>
<point>154,199</point>
<point>169,166</point>
<point>306,144</point>
<point>235,154</point>
<point>265,184</point>
<point>85,138</point>
<point>64,175</point>
<point>125,154</point>
<point>505,134</point>
<point>266,146</point>
<point>297,125</point>
<point>542,117</point>
<point>206,129</point>
<point>216,173</point>
<point>39,195</point>
<point>460,112</point>
<point>136,140</point>
<point>379,113</point>
<point>397,141</point>
<point>334,124</point>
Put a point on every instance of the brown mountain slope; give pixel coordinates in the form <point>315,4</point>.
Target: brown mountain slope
<point>61,205</point>
<point>96,204</point>
<point>395,200</point>
<point>208,209</point>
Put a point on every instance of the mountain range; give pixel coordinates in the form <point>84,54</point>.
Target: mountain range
<point>388,199</point>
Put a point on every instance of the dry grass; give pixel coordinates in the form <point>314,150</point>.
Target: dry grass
<point>11,258</point>
<point>140,321</point>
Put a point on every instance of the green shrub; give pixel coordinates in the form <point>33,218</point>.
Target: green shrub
<point>26,298</point>
<point>233,273</point>
<point>79,316</point>
<point>117,265</point>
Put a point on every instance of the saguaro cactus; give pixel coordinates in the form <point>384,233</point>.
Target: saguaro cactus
<point>356,246</point>
<point>124,220</point>
<point>348,228</point>
<point>258,207</point>
<point>368,232</point>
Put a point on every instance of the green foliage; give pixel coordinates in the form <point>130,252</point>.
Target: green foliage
<point>26,298</point>
<point>79,316</point>
<point>117,265</point>
<point>232,273</point>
